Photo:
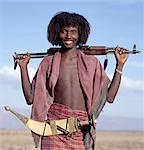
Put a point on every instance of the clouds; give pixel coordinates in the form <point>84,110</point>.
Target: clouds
<point>10,86</point>
<point>126,104</point>
<point>133,84</point>
<point>10,77</point>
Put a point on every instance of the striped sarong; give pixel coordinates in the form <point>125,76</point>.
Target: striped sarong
<point>64,142</point>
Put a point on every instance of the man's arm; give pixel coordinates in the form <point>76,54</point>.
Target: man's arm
<point>25,81</point>
<point>115,83</point>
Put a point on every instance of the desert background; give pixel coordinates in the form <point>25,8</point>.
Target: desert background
<point>113,133</point>
<point>23,28</point>
<point>106,140</point>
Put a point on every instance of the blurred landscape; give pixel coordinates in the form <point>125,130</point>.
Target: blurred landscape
<point>113,133</point>
<point>104,122</point>
<point>22,140</point>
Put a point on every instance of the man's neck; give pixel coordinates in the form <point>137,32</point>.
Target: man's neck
<point>70,53</point>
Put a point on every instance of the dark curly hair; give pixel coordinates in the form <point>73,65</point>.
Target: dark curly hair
<point>65,19</point>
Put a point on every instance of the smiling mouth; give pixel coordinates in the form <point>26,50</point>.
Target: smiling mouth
<point>68,42</point>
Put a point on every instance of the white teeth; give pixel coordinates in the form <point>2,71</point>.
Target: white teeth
<point>68,42</point>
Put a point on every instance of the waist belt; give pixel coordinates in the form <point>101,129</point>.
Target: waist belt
<point>53,127</point>
<point>65,126</point>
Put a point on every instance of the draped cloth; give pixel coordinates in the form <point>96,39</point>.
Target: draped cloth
<point>93,80</point>
<point>64,142</point>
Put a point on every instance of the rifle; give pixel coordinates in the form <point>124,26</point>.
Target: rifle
<point>89,50</point>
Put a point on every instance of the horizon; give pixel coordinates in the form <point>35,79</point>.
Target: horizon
<point>113,123</point>
<point>23,27</point>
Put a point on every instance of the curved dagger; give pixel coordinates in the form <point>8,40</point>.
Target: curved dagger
<point>45,129</point>
<point>40,128</point>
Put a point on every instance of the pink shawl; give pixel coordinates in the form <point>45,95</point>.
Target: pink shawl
<point>91,75</point>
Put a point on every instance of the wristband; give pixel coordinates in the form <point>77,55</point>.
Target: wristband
<point>118,71</point>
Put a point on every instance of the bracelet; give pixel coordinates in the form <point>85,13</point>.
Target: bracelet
<point>118,71</point>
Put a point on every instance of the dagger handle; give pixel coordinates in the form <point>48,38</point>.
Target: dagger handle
<point>18,115</point>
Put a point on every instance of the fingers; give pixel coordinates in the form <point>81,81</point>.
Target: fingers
<point>24,56</point>
<point>120,50</point>
<point>121,54</point>
<point>23,59</point>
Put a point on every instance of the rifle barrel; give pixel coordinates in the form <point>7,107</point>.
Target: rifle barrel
<point>124,52</point>
<point>89,50</point>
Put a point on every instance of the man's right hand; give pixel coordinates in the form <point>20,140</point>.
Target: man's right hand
<point>24,60</point>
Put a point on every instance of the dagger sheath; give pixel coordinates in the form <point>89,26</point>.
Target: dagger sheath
<point>40,128</point>
<point>54,127</point>
<point>24,119</point>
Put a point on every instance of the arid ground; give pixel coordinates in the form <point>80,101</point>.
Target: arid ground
<point>22,140</point>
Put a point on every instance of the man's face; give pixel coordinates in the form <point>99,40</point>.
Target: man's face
<point>69,37</point>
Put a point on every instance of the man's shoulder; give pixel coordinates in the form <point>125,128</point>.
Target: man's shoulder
<point>46,59</point>
<point>49,58</point>
<point>89,57</point>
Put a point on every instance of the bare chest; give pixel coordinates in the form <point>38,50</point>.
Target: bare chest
<point>68,90</point>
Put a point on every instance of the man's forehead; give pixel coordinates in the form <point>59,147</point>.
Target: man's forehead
<point>71,27</point>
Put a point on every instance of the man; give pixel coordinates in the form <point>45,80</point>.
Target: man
<point>69,83</point>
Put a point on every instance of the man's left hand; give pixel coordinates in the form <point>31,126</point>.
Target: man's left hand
<point>120,55</point>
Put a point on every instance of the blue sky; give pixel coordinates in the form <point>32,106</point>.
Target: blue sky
<point>23,26</point>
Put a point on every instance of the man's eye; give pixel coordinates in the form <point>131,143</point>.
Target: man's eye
<point>62,31</point>
<point>74,31</point>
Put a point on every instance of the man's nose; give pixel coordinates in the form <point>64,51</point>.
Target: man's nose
<point>68,35</point>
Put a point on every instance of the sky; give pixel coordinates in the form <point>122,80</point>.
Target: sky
<point>23,28</point>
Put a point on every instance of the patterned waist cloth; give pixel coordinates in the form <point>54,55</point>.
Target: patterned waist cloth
<point>59,111</point>
<point>64,142</point>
